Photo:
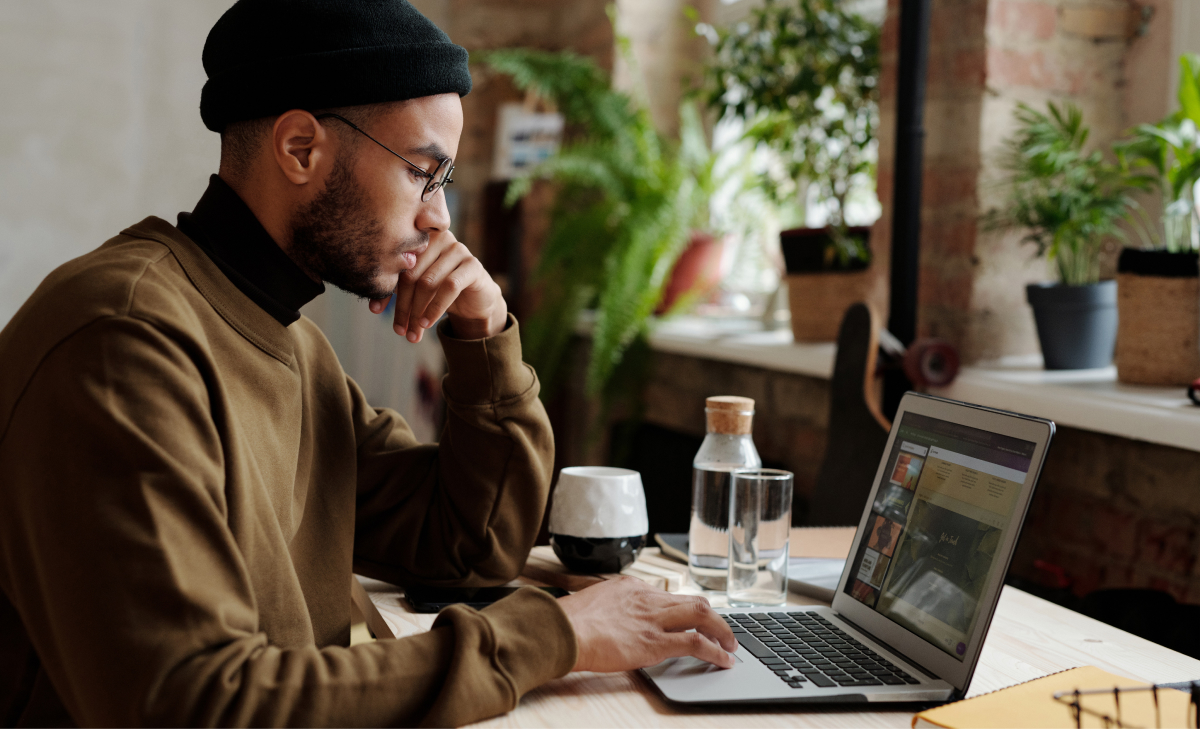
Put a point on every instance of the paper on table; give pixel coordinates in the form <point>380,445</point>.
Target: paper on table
<point>815,577</point>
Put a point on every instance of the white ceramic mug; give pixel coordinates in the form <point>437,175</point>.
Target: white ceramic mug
<point>598,520</point>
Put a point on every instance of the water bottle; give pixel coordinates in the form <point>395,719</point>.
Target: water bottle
<point>726,447</point>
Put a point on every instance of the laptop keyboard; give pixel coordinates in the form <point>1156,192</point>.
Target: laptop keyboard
<point>805,649</point>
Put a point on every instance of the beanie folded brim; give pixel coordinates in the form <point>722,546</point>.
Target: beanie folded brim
<point>348,77</point>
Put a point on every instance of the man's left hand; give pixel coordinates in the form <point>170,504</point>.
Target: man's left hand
<point>447,279</point>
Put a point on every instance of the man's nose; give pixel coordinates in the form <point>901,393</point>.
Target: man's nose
<point>434,215</point>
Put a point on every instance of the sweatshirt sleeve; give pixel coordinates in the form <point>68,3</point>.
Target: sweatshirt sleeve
<point>137,599</point>
<point>466,510</point>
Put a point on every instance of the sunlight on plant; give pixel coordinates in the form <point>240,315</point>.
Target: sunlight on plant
<point>1070,201</point>
<point>626,201</point>
<point>802,77</point>
<point>1171,151</point>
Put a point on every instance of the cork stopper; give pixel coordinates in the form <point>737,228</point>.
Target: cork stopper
<point>729,414</point>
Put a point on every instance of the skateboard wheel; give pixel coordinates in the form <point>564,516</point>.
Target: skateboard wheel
<point>931,362</point>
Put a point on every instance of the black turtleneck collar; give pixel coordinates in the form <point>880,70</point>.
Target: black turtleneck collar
<point>226,229</point>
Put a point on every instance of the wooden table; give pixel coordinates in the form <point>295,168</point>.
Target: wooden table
<point>1029,638</point>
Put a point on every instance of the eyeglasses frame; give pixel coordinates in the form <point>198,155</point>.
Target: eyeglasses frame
<point>432,187</point>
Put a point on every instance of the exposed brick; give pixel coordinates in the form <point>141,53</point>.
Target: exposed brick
<point>1115,530</point>
<point>1166,546</point>
<point>952,236</point>
<point>1023,19</point>
<point>889,41</point>
<point>957,23</point>
<point>1097,23</point>
<point>945,185</point>
<point>803,398</point>
<point>939,287</point>
<point>1034,69</point>
<point>1175,588</point>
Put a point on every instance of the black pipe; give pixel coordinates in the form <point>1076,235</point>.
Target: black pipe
<point>906,190</point>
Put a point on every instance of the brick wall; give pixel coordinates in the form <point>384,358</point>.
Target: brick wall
<point>984,57</point>
<point>578,25</point>
<point>790,421</point>
<point>1115,513</point>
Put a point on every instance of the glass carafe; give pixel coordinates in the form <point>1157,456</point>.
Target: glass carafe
<point>727,446</point>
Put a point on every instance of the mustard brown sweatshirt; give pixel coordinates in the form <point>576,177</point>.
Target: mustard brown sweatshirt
<point>186,485</point>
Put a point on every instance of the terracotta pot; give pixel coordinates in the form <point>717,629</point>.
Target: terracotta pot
<point>698,268</point>
<point>1158,297</point>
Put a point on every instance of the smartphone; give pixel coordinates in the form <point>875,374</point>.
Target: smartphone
<point>432,599</point>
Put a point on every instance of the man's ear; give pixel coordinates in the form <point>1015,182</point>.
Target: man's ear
<point>302,146</point>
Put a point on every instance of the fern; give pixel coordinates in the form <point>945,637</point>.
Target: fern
<point>626,201</point>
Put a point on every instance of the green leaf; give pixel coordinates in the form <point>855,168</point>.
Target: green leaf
<point>1189,90</point>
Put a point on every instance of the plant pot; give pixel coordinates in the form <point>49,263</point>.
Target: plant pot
<point>1077,325</point>
<point>1158,296</point>
<point>821,289</point>
<point>697,268</point>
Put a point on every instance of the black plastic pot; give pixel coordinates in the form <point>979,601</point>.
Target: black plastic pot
<point>807,250</point>
<point>1077,325</point>
<point>1156,262</point>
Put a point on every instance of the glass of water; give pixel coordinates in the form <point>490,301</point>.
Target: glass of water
<point>760,520</point>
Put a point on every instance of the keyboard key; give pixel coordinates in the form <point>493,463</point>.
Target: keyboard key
<point>891,680</point>
<point>759,616</point>
<point>752,644</point>
<point>821,681</point>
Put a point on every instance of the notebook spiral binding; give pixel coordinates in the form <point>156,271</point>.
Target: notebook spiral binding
<point>1071,699</point>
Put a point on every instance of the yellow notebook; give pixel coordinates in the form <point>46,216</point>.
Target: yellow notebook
<point>1032,704</point>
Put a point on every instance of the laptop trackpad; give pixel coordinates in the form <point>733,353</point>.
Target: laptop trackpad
<point>689,666</point>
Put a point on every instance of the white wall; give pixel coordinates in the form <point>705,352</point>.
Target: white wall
<point>99,126</point>
<point>1185,38</point>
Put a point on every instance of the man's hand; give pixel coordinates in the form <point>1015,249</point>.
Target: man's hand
<point>447,278</point>
<point>624,624</point>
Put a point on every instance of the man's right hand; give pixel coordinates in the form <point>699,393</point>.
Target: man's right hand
<point>624,624</point>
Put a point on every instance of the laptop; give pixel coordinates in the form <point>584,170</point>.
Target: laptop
<point>919,589</point>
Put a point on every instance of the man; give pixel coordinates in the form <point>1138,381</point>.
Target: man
<point>188,478</point>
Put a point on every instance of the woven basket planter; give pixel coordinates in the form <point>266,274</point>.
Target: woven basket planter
<point>1158,297</point>
<point>819,301</point>
<point>820,289</point>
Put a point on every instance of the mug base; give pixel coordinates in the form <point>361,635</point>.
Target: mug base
<point>597,554</point>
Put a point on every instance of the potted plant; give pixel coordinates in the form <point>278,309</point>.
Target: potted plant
<point>1071,202</point>
<point>1159,284</point>
<point>802,79</point>
<point>627,200</point>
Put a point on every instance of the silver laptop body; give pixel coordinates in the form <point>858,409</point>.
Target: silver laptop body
<point>919,589</point>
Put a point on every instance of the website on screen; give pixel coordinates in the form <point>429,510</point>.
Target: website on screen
<point>945,505</point>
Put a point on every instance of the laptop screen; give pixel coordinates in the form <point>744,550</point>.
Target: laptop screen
<point>948,496</point>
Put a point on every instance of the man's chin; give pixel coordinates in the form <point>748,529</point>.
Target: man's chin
<point>365,287</point>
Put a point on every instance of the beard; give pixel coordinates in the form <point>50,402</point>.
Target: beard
<point>335,238</point>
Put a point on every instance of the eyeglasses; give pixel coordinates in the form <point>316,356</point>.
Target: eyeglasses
<point>438,179</point>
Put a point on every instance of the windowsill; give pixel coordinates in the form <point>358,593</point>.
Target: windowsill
<point>1085,399</point>
<point>743,341</point>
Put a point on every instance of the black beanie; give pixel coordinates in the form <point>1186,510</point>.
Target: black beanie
<point>264,57</point>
